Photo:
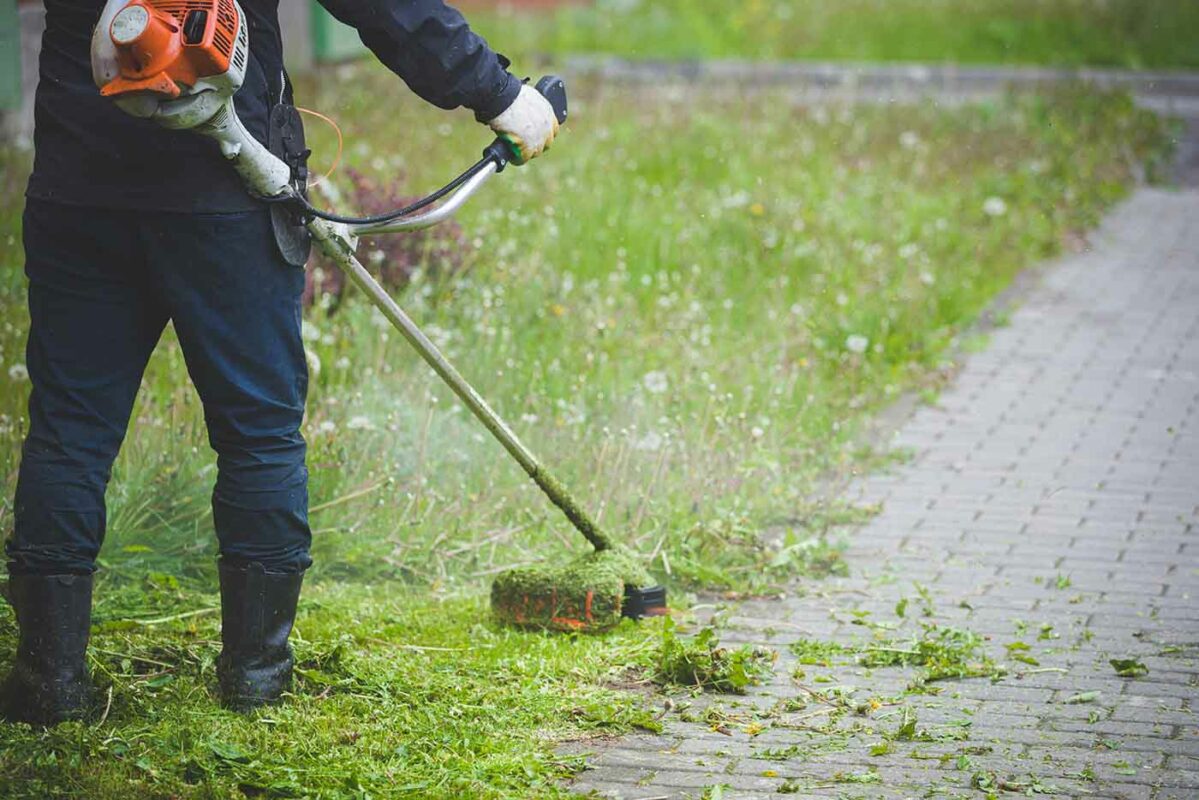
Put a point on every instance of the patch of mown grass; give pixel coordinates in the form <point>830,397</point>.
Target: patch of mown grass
<point>396,694</point>
<point>1125,33</point>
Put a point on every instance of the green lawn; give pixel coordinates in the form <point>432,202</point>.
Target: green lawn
<point>1123,33</point>
<point>689,308</point>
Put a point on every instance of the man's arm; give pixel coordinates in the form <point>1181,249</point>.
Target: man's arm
<point>430,46</point>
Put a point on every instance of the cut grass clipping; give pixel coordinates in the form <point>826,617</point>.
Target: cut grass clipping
<point>941,652</point>
<point>701,663</point>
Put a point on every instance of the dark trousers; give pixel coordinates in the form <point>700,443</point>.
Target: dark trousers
<point>102,286</point>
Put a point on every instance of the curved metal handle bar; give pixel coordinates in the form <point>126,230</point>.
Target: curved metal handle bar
<point>439,214</point>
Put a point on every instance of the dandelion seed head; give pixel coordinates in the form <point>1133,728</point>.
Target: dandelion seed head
<point>314,362</point>
<point>655,382</point>
<point>994,207</point>
<point>651,442</point>
<point>856,343</point>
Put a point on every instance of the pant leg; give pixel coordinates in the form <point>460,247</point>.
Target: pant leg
<point>235,305</point>
<point>94,321</point>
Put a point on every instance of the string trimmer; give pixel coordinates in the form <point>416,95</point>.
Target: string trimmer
<point>179,63</point>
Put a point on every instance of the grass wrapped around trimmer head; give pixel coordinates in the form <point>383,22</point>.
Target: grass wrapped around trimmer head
<point>585,595</point>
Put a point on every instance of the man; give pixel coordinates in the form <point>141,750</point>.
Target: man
<point>128,226</point>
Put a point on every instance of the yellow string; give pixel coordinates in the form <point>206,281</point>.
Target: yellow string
<point>337,130</point>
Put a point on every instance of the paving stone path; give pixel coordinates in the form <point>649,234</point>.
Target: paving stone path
<point>1052,502</point>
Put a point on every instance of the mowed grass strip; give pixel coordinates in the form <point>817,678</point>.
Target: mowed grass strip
<point>688,307</point>
<point>395,696</point>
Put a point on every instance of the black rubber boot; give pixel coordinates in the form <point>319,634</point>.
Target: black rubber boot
<point>49,682</point>
<point>258,610</point>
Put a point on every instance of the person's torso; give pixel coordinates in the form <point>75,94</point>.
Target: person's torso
<point>89,152</point>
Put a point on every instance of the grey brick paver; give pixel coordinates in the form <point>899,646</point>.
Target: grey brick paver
<point>1069,448</point>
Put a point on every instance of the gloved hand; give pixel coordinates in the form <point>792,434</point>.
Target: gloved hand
<point>528,125</point>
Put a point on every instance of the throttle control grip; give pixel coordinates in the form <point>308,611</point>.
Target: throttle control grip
<point>553,89</point>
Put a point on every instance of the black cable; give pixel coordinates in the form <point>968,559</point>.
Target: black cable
<point>400,212</point>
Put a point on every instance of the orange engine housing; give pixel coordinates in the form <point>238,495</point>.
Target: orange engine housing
<point>166,45</point>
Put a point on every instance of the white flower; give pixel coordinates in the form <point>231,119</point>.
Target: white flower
<point>909,140</point>
<point>314,362</point>
<point>326,427</point>
<point>18,372</point>
<point>737,200</point>
<point>757,432</point>
<point>994,207</point>
<point>360,423</point>
<point>309,332</point>
<point>655,382</point>
<point>650,442</point>
<point>856,343</point>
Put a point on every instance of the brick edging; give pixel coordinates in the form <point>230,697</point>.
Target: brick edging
<point>1169,89</point>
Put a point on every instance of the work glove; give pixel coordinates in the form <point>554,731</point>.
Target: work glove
<point>528,125</point>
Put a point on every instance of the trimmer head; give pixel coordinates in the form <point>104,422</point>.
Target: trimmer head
<point>588,595</point>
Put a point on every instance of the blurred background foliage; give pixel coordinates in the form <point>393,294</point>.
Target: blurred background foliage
<point>1118,33</point>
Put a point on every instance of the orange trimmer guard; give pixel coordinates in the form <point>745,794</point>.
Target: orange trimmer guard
<point>567,600</point>
<point>158,84</point>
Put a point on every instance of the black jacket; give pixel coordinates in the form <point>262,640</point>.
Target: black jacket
<point>89,152</point>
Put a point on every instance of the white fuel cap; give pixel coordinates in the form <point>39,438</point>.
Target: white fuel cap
<point>130,23</point>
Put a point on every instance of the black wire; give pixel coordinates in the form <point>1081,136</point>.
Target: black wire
<point>391,215</point>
